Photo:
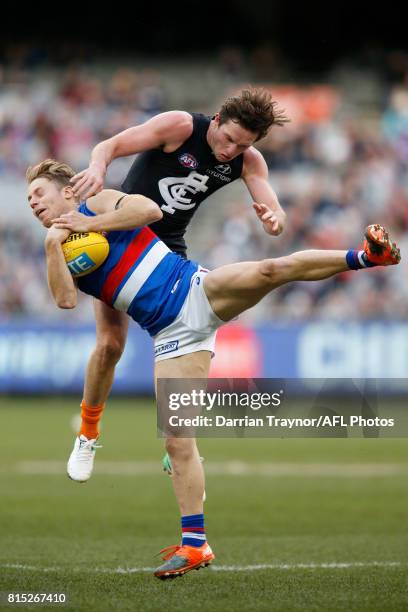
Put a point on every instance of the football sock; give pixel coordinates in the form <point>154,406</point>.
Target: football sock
<point>192,527</point>
<point>357,260</point>
<point>91,416</point>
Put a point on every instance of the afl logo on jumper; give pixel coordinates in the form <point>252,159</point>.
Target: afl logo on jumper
<point>188,161</point>
<point>223,168</point>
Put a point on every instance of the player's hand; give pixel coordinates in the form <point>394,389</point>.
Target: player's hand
<point>73,221</point>
<point>273,221</point>
<point>55,234</point>
<point>88,182</point>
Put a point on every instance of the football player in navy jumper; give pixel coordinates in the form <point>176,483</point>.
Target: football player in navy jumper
<point>183,159</point>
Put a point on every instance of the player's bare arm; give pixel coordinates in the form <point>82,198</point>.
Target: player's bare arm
<point>266,203</point>
<point>114,211</point>
<point>166,130</point>
<point>61,284</point>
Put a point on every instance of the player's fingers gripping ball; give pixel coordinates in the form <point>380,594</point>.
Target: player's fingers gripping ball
<point>85,252</point>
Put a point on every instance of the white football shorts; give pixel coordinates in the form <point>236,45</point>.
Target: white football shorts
<point>195,327</point>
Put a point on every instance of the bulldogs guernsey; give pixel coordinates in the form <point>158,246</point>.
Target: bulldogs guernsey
<point>141,276</point>
<point>179,181</point>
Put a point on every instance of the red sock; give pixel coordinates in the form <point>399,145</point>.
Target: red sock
<point>91,416</point>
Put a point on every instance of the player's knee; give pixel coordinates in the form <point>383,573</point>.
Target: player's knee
<point>109,350</point>
<point>275,271</point>
<point>180,449</point>
<point>269,270</point>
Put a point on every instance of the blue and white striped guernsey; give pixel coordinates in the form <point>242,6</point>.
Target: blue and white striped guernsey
<point>140,276</point>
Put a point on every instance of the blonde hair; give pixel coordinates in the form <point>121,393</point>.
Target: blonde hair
<point>52,170</point>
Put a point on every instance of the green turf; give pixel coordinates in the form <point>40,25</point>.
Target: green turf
<point>75,532</point>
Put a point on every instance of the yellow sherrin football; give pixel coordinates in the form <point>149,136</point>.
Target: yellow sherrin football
<point>85,252</point>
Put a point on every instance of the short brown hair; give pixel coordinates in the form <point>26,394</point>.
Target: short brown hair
<point>254,110</point>
<point>51,169</point>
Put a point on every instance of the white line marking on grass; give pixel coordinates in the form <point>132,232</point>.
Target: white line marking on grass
<point>30,568</point>
<point>225,468</point>
<point>289,566</point>
<point>213,568</point>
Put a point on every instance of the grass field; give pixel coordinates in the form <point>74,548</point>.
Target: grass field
<point>295,524</point>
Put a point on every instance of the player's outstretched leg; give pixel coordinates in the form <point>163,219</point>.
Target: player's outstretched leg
<point>234,288</point>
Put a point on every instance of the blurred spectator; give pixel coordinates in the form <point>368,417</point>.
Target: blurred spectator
<point>336,169</point>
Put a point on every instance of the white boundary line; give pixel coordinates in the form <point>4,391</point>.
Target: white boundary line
<point>214,568</point>
<point>225,468</point>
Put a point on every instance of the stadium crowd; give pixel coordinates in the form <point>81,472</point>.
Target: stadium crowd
<point>336,168</point>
